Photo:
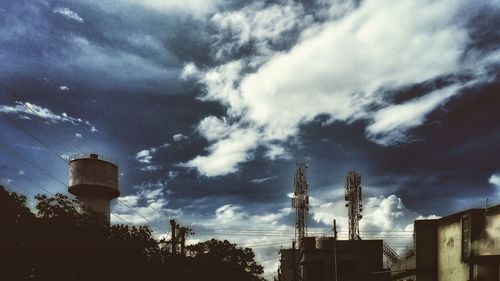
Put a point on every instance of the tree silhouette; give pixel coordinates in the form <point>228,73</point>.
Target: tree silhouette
<point>66,241</point>
<point>212,257</point>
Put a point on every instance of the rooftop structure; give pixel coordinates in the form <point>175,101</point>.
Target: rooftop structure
<point>461,247</point>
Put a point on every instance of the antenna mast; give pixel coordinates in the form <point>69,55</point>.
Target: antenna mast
<point>300,201</point>
<point>354,205</point>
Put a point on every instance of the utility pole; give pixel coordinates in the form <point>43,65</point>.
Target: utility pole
<point>173,226</point>
<point>183,231</point>
<point>335,250</point>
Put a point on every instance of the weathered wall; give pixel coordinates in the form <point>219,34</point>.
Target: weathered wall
<point>489,244</point>
<point>94,182</point>
<point>400,271</point>
<point>93,172</point>
<point>450,266</point>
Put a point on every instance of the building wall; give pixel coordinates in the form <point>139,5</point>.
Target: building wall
<point>490,240</point>
<point>357,260</point>
<point>488,246</point>
<point>450,266</point>
<point>461,247</point>
<point>286,270</point>
<point>402,271</point>
<point>90,171</point>
<point>426,252</point>
<point>361,258</point>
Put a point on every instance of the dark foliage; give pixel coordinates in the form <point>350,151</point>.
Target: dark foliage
<point>65,241</point>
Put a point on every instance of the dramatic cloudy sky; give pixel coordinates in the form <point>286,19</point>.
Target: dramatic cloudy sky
<point>207,105</point>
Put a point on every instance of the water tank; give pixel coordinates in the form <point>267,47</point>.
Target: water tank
<point>93,179</point>
<point>324,243</point>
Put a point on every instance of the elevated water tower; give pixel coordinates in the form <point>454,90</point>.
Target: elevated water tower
<point>94,181</point>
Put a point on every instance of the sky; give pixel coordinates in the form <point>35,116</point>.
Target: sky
<point>207,105</point>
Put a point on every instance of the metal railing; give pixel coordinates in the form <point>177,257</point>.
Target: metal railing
<point>92,156</point>
<point>390,253</point>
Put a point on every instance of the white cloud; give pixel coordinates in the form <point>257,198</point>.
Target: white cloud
<point>179,137</point>
<point>150,168</point>
<point>78,135</point>
<point>383,218</point>
<point>64,88</point>
<point>150,202</point>
<point>225,154</point>
<point>391,123</point>
<point>262,232</point>
<point>338,69</point>
<point>261,180</point>
<point>386,214</point>
<point>191,7</point>
<point>256,22</point>
<point>189,71</point>
<point>26,108</point>
<point>213,128</point>
<point>228,214</point>
<point>275,151</point>
<point>172,175</point>
<point>145,156</point>
<point>68,14</point>
<point>495,180</point>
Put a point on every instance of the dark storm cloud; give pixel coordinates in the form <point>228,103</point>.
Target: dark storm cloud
<point>124,47</point>
<point>268,83</point>
<point>450,158</point>
<point>484,35</point>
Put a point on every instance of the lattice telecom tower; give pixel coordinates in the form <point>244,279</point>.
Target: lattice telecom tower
<point>354,203</point>
<point>300,201</point>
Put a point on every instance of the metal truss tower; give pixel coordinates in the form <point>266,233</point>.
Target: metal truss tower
<point>300,202</point>
<point>354,203</point>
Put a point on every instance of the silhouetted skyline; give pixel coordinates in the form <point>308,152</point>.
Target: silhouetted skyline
<point>207,105</point>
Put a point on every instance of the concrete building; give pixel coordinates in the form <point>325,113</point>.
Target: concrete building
<point>288,261</point>
<point>356,260</point>
<point>94,181</point>
<point>461,247</point>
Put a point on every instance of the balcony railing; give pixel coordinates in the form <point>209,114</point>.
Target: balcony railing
<point>92,156</point>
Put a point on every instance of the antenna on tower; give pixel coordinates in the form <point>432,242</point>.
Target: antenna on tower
<point>354,203</point>
<point>300,201</point>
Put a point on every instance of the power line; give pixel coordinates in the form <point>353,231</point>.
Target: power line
<point>121,202</point>
<point>59,181</point>
<point>29,180</point>
<point>292,231</point>
<point>30,163</point>
<point>266,244</point>
<point>117,216</point>
<point>51,149</point>
<point>7,181</point>
<point>13,94</point>
<point>273,258</point>
<point>26,190</point>
<point>59,156</point>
